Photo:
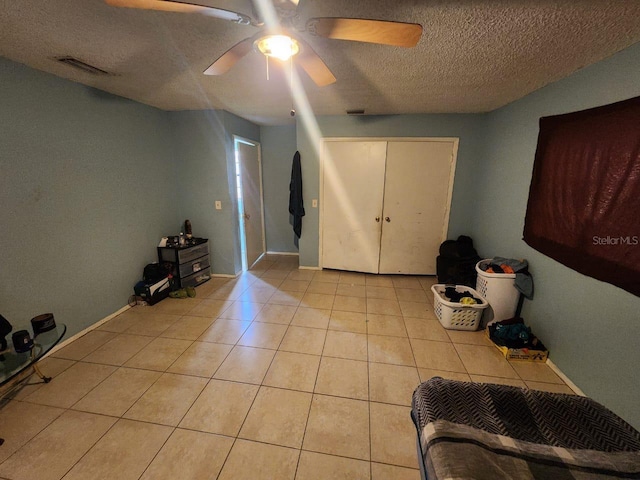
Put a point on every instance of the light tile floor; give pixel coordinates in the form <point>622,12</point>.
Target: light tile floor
<point>278,374</point>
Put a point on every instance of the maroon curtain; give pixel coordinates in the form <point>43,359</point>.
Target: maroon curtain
<point>584,199</point>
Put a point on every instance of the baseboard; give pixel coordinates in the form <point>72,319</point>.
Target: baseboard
<point>87,330</point>
<point>293,254</point>
<point>303,267</point>
<point>223,275</point>
<point>565,379</point>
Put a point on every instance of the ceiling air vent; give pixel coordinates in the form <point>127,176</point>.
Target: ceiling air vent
<point>80,65</point>
<point>355,112</point>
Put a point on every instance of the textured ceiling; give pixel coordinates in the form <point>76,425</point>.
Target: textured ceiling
<point>474,55</point>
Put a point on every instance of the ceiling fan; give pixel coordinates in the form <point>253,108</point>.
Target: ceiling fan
<point>285,43</point>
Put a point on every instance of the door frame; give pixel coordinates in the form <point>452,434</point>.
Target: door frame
<point>454,140</point>
<point>248,141</point>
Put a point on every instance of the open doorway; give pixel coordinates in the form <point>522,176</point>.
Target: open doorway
<point>250,201</point>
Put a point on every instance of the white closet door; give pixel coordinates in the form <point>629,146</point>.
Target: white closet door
<point>351,201</point>
<point>416,205</point>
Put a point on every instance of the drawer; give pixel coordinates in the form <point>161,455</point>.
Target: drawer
<point>196,278</point>
<point>189,254</point>
<point>194,266</point>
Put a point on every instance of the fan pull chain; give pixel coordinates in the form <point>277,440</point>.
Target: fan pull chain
<point>293,110</point>
<point>267,57</point>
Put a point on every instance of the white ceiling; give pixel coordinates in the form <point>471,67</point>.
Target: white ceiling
<point>474,55</point>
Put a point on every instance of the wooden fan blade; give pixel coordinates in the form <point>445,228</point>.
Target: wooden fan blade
<point>177,6</point>
<point>230,57</point>
<point>370,31</point>
<point>314,66</point>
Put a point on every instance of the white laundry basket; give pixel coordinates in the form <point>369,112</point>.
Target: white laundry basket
<point>454,315</point>
<point>499,289</point>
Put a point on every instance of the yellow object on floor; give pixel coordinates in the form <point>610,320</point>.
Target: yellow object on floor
<point>182,293</point>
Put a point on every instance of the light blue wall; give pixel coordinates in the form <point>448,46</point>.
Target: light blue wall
<point>86,182</point>
<point>468,128</point>
<point>201,158</point>
<point>203,148</point>
<point>591,328</point>
<point>278,148</point>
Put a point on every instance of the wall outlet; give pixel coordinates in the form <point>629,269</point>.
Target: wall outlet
<point>218,205</point>
<point>314,203</point>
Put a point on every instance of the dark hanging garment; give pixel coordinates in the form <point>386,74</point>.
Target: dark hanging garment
<point>296,205</point>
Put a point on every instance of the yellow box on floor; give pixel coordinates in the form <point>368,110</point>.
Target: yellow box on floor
<point>527,354</point>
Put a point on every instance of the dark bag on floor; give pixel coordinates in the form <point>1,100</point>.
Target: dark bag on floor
<point>456,263</point>
<point>156,284</point>
<point>155,272</point>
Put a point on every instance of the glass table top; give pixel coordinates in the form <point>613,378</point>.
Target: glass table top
<point>12,363</point>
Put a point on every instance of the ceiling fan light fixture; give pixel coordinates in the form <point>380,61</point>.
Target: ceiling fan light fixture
<point>279,46</point>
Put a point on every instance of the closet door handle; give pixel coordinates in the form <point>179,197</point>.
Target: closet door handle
<point>378,219</point>
<point>387,219</point>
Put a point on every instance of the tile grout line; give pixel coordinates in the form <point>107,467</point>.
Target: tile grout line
<point>366,317</point>
<point>313,394</point>
<point>203,389</point>
<point>248,410</point>
<point>92,446</point>
<point>295,473</point>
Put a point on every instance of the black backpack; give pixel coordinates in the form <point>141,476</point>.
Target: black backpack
<point>154,272</point>
<point>456,263</point>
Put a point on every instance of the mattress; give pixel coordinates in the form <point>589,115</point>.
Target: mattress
<point>485,431</point>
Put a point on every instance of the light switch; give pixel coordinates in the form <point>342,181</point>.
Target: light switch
<point>314,203</point>
<point>218,205</point>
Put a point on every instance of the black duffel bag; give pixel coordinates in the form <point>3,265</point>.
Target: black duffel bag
<point>154,272</point>
<point>456,263</point>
